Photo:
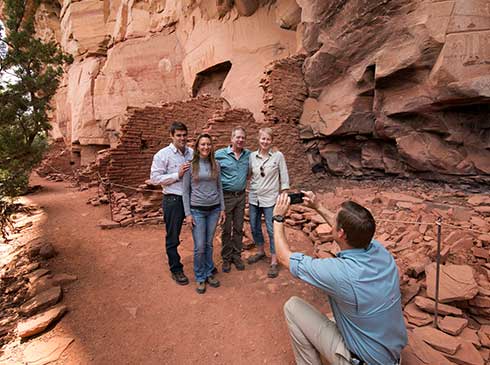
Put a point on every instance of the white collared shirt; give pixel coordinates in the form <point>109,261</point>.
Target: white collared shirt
<point>265,189</point>
<point>165,168</point>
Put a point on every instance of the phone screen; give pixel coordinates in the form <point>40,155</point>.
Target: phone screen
<point>296,198</point>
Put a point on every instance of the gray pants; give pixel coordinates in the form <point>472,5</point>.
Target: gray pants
<point>232,231</point>
<point>313,334</point>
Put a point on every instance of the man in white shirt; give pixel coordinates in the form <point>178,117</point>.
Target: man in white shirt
<point>168,168</point>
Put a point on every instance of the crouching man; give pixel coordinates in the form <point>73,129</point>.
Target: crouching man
<point>362,287</point>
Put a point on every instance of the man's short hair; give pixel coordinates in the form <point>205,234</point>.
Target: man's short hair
<point>238,128</point>
<point>177,126</point>
<point>357,222</point>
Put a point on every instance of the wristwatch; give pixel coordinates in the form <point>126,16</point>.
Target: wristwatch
<point>278,218</point>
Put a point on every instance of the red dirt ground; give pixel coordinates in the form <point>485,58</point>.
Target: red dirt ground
<point>125,309</point>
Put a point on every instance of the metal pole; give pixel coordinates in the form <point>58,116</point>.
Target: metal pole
<point>110,199</point>
<point>438,264</point>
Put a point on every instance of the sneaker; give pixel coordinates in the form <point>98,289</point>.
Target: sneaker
<point>201,287</point>
<point>180,278</point>
<point>273,271</point>
<point>226,266</point>
<point>256,258</point>
<point>212,281</point>
<point>240,266</point>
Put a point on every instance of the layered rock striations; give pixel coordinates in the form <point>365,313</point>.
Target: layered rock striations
<point>360,88</point>
<point>398,87</point>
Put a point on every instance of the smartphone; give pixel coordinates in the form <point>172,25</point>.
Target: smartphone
<point>296,198</point>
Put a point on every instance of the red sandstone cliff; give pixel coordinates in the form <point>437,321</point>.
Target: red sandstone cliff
<point>360,87</point>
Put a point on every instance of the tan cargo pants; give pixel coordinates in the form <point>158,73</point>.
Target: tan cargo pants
<point>312,334</point>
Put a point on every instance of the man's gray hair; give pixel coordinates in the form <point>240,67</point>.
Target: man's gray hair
<point>238,128</point>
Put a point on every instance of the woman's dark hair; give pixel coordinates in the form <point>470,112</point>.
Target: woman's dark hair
<point>177,126</point>
<point>358,224</point>
<point>197,156</point>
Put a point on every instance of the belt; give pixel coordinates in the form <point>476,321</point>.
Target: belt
<point>234,193</point>
<point>172,195</point>
<point>356,360</point>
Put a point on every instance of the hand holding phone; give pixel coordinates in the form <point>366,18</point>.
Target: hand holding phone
<point>296,198</point>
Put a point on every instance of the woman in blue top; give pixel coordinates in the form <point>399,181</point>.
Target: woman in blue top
<point>204,208</point>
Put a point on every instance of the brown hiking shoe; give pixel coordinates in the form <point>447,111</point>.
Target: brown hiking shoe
<point>226,266</point>
<point>256,258</point>
<point>273,271</point>
<point>180,278</point>
<point>201,287</point>
<point>212,281</point>
<point>240,266</point>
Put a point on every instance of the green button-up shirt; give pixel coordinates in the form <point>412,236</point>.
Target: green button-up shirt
<point>233,172</point>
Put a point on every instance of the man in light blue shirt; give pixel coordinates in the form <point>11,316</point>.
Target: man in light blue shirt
<point>362,287</point>
<point>167,169</point>
<point>233,161</point>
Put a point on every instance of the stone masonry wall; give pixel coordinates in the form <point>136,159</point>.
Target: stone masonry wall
<point>147,130</point>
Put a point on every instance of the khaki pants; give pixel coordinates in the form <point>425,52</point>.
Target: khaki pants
<point>312,334</point>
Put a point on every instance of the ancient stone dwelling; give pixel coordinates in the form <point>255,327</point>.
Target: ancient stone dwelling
<point>353,88</point>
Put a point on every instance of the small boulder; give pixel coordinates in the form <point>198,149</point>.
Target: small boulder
<point>34,325</point>
<point>438,339</point>
<point>457,282</point>
<point>41,301</point>
<point>452,325</point>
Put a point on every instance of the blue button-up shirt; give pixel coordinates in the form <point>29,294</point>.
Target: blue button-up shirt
<point>364,293</point>
<point>165,168</point>
<point>233,172</point>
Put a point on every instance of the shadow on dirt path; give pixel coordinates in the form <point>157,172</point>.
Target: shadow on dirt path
<point>125,309</point>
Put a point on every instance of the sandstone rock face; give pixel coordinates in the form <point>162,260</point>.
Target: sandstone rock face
<point>136,54</point>
<point>370,88</point>
<point>411,87</point>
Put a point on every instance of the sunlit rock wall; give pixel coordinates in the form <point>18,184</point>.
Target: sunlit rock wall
<point>386,87</point>
<point>147,53</point>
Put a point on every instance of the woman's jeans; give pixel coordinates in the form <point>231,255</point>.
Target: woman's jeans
<point>255,213</point>
<point>205,223</point>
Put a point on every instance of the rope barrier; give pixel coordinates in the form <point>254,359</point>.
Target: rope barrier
<point>105,183</point>
<point>126,186</point>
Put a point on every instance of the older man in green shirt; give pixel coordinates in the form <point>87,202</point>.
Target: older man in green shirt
<point>233,161</point>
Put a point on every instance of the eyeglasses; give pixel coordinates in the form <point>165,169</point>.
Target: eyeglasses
<point>262,173</point>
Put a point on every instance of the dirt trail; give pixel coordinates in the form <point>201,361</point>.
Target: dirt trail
<point>125,309</point>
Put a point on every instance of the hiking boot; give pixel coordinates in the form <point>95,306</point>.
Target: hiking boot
<point>201,287</point>
<point>226,266</point>
<point>212,281</point>
<point>256,258</point>
<point>180,278</point>
<point>273,271</point>
<point>240,266</point>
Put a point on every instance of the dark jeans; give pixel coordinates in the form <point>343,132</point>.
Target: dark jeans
<point>232,232</point>
<point>173,214</point>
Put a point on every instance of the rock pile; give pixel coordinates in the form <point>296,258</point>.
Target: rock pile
<point>30,294</point>
<point>143,207</point>
<point>406,226</point>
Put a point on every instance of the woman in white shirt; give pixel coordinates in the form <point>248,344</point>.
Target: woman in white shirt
<point>269,177</point>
